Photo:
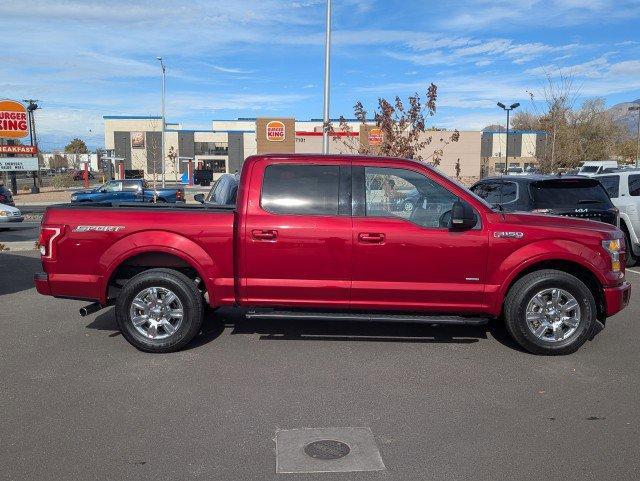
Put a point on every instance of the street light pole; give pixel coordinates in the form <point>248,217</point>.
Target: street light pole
<point>163,118</point>
<point>327,55</point>
<point>506,150</point>
<point>631,109</point>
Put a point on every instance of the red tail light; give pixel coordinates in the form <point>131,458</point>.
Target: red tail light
<point>179,195</point>
<point>47,241</point>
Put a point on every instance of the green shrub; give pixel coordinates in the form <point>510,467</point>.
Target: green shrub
<point>62,181</point>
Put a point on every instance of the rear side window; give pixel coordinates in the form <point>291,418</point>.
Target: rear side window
<point>610,184</point>
<point>490,191</point>
<point>301,189</point>
<point>568,193</point>
<point>634,185</point>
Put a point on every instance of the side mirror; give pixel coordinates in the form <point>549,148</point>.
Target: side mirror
<point>462,216</point>
<point>199,198</point>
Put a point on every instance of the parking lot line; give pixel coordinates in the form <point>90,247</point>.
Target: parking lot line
<point>631,270</point>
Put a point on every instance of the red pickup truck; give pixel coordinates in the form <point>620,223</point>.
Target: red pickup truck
<point>331,237</point>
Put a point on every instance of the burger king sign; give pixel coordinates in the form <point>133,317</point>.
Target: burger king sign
<point>375,136</point>
<point>275,131</point>
<point>13,120</point>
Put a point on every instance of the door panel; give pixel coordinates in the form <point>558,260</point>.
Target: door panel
<point>415,264</point>
<point>293,257</point>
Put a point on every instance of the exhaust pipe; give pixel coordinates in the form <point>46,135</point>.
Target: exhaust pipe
<point>90,309</point>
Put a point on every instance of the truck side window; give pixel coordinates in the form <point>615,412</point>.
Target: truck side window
<point>301,189</point>
<point>405,194</point>
<point>113,186</point>
<point>634,185</point>
<point>611,184</point>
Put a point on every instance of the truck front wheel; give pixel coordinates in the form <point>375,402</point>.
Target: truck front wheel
<point>550,312</point>
<point>159,310</point>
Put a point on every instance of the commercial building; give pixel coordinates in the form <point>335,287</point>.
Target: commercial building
<point>526,147</point>
<point>223,148</point>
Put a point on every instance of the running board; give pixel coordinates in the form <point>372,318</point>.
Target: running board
<point>367,317</point>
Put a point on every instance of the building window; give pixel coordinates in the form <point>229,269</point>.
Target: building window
<point>211,148</point>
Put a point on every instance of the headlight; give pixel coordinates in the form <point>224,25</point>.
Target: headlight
<point>614,247</point>
<point>4,213</point>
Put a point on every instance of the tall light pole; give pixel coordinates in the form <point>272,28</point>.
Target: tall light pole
<point>631,109</point>
<point>506,150</point>
<point>33,140</point>
<point>327,55</point>
<point>163,119</point>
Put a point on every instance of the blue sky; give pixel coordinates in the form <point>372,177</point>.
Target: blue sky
<point>228,59</point>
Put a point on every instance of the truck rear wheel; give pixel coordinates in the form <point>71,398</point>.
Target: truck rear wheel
<point>159,310</point>
<point>550,312</point>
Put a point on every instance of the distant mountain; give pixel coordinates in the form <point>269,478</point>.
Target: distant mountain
<point>621,114</point>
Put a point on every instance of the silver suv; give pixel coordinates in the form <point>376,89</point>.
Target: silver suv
<point>623,187</point>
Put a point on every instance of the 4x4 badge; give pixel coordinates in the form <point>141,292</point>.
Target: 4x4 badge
<point>508,235</point>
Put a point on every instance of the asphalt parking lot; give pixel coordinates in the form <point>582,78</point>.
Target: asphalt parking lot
<point>441,403</point>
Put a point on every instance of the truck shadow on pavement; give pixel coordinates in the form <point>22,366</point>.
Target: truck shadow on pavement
<point>16,272</point>
<point>234,321</point>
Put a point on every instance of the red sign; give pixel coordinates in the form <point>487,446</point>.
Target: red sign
<point>18,149</point>
<point>375,136</point>
<point>13,120</point>
<point>275,131</point>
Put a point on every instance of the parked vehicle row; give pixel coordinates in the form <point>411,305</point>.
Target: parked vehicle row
<point>320,237</point>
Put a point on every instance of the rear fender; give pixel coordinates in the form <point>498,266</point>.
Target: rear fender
<point>158,241</point>
<point>537,252</point>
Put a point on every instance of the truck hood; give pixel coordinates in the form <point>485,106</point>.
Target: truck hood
<point>560,222</point>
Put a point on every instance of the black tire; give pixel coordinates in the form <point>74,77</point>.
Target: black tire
<point>525,289</point>
<point>186,291</point>
<point>632,259</point>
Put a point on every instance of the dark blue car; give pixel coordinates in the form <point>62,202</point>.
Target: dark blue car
<point>128,190</point>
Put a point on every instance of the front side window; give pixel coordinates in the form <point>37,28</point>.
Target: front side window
<point>634,185</point>
<point>406,194</point>
<point>491,191</point>
<point>610,184</point>
<point>301,189</point>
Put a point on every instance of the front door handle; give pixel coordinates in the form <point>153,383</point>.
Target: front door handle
<point>264,234</point>
<point>371,237</point>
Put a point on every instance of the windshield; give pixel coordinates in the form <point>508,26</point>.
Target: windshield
<point>589,168</point>
<point>569,193</point>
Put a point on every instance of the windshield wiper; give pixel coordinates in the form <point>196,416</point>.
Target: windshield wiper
<point>591,201</point>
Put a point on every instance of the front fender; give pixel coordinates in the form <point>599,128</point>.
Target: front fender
<point>541,251</point>
<point>157,241</point>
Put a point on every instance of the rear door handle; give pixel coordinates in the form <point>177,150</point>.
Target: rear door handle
<point>264,234</point>
<point>371,237</point>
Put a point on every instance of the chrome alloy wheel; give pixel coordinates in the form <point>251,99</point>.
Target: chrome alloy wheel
<point>156,313</point>
<point>553,315</point>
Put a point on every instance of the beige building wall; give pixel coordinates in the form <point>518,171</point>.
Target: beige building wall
<point>529,145</point>
<point>467,149</point>
<point>312,144</point>
<point>499,144</point>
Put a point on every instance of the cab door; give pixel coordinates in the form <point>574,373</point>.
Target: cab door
<point>297,236</point>
<point>405,256</point>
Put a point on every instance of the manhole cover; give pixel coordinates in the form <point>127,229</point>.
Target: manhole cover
<point>326,449</point>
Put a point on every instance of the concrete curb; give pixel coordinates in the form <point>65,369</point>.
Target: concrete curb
<point>18,246</point>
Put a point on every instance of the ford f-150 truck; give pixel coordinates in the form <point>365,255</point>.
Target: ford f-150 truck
<point>317,237</point>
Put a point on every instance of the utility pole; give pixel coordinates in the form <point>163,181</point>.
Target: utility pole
<point>506,150</point>
<point>631,109</point>
<point>33,140</point>
<point>163,118</point>
<point>327,58</point>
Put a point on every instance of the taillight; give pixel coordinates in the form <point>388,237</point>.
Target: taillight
<point>47,241</point>
<point>179,195</point>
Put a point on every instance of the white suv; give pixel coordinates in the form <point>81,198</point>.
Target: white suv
<point>624,189</point>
